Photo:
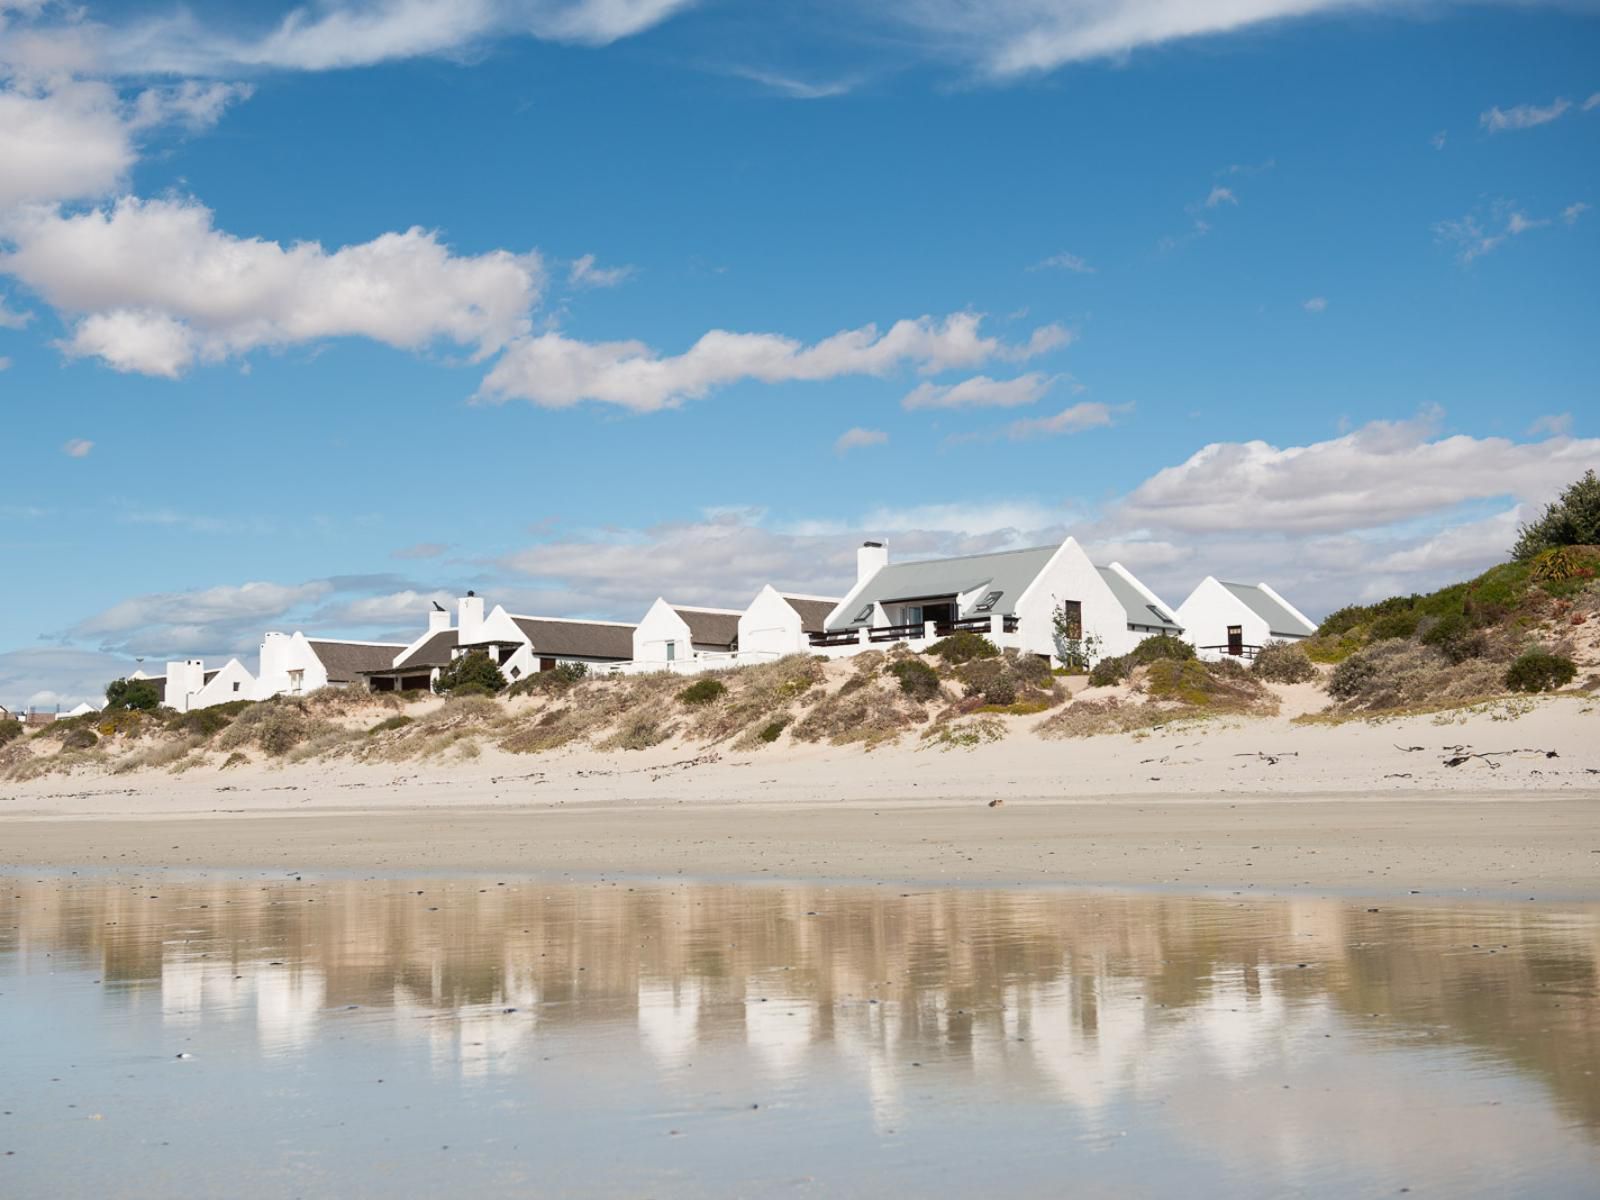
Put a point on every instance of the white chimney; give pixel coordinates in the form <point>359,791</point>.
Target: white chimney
<point>438,618</point>
<point>870,559</point>
<point>470,618</point>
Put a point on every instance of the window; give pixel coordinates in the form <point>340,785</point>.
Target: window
<point>1160,616</point>
<point>236,685</point>
<point>864,615</point>
<point>1072,620</point>
<point>913,615</point>
<point>296,680</point>
<point>516,672</point>
<point>988,602</point>
<point>672,651</point>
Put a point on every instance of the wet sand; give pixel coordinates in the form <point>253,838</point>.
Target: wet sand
<point>1487,845</point>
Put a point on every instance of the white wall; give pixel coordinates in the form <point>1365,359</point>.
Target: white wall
<point>1069,575</point>
<point>770,627</point>
<point>283,654</point>
<point>1210,609</point>
<point>232,682</point>
<point>658,627</point>
<point>184,681</point>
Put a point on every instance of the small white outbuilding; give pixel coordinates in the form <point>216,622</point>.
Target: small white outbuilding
<point>1236,619</point>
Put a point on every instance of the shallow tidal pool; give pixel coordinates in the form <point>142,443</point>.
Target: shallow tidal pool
<point>264,1035</point>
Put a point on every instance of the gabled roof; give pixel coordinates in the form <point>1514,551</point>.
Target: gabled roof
<point>1280,621</point>
<point>1137,605</point>
<point>708,626</point>
<point>813,611</point>
<point>435,652</point>
<point>558,636</point>
<point>1008,572</point>
<point>346,660</point>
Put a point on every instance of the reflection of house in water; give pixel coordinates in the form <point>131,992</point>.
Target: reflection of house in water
<point>1083,999</point>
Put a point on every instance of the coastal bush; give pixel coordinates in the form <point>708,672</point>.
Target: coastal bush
<point>137,694</point>
<point>1397,674</point>
<point>1539,671</point>
<point>10,730</point>
<point>1093,718</point>
<point>1573,519</point>
<point>1283,662</point>
<point>166,754</point>
<point>1211,686</point>
<point>1157,647</point>
<point>964,735</point>
<point>917,679</point>
<point>1109,672</point>
<point>703,691</point>
<point>990,680</point>
<point>1394,625</point>
<point>639,733</point>
<point>1454,636</point>
<point>388,724</point>
<point>963,647</point>
<point>207,722</point>
<point>557,681</point>
<point>274,726</point>
<point>461,690</point>
<point>79,739</point>
<point>865,710</point>
<point>473,670</point>
<point>772,731</point>
<point>755,696</point>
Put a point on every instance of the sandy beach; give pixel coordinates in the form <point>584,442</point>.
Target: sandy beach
<point>1245,804</point>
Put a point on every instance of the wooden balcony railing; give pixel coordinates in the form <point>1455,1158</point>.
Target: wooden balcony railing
<point>907,632</point>
<point>1242,651</point>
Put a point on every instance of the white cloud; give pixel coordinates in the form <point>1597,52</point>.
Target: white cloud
<point>797,89</point>
<point>1572,212</point>
<point>63,142</point>
<point>1009,38</point>
<point>1552,425</point>
<point>1592,102</point>
<point>555,371</point>
<point>77,448</point>
<point>194,104</point>
<point>353,33</point>
<point>10,318</point>
<point>1437,141</point>
<point>152,286</point>
<point>1077,418</point>
<point>583,273</point>
<point>1064,262</point>
<point>1523,116</point>
<point>1317,304</point>
<point>420,550</point>
<point>980,392</point>
<point>5,363</point>
<point>858,438</point>
<point>1478,233</point>
<point>47,676</point>
<point>1220,195</point>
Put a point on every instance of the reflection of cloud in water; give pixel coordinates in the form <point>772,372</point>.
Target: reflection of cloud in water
<point>289,1001</point>
<point>779,1025</point>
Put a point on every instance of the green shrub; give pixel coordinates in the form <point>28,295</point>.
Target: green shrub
<point>963,647</point>
<point>772,732</point>
<point>1353,676</point>
<point>398,721</point>
<point>137,694</point>
<point>203,722</point>
<point>475,670</point>
<point>1573,520</point>
<point>1456,638</point>
<point>10,730</point>
<point>79,739</point>
<point>703,691</point>
<point>1158,647</point>
<point>1030,670</point>
<point>1540,671</point>
<point>917,679</point>
<point>990,679</point>
<point>472,688</point>
<point>277,726</point>
<point>1283,662</point>
<point>1109,672</point>
<point>557,681</point>
<point>1394,625</point>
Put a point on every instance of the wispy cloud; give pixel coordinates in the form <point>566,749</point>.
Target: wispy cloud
<point>1437,141</point>
<point>584,273</point>
<point>1063,262</point>
<point>420,550</point>
<point>1089,414</point>
<point>1479,233</point>
<point>77,448</point>
<point>980,392</point>
<point>859,438</point>
<point>1220,195</point>
<point>1317,304</point>
<point>1523,116</point>
<point>1551,425</point>
<point>1572,212</point>
<point>798,89</point>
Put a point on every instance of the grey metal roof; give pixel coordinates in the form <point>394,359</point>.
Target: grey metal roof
<point>1280,620</point>
<point>552,636</point>
<point>345,660</point>
<point>1138,607</point>
<point>813,613</point>
<point>1008,572</point>
<point>720,629</point>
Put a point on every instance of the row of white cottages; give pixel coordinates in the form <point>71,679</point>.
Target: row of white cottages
<point>1012,597</point>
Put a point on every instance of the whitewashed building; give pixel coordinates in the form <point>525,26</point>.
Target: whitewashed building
<point>1010,596</point>
<point>295,665</point>
<point>779,623</point>
<point>678,636</point>
<point>1237,619</point>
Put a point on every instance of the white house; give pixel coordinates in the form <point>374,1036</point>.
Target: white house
<point>1222,619</point>
<point>1011,596</point>
<point>778,623</point>
<point>294,665</point>
<point>82,709</point>
<point>187,685</point>
<point>679,633</point>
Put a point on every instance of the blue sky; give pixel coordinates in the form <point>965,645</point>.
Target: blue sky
<point>312,315</point>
